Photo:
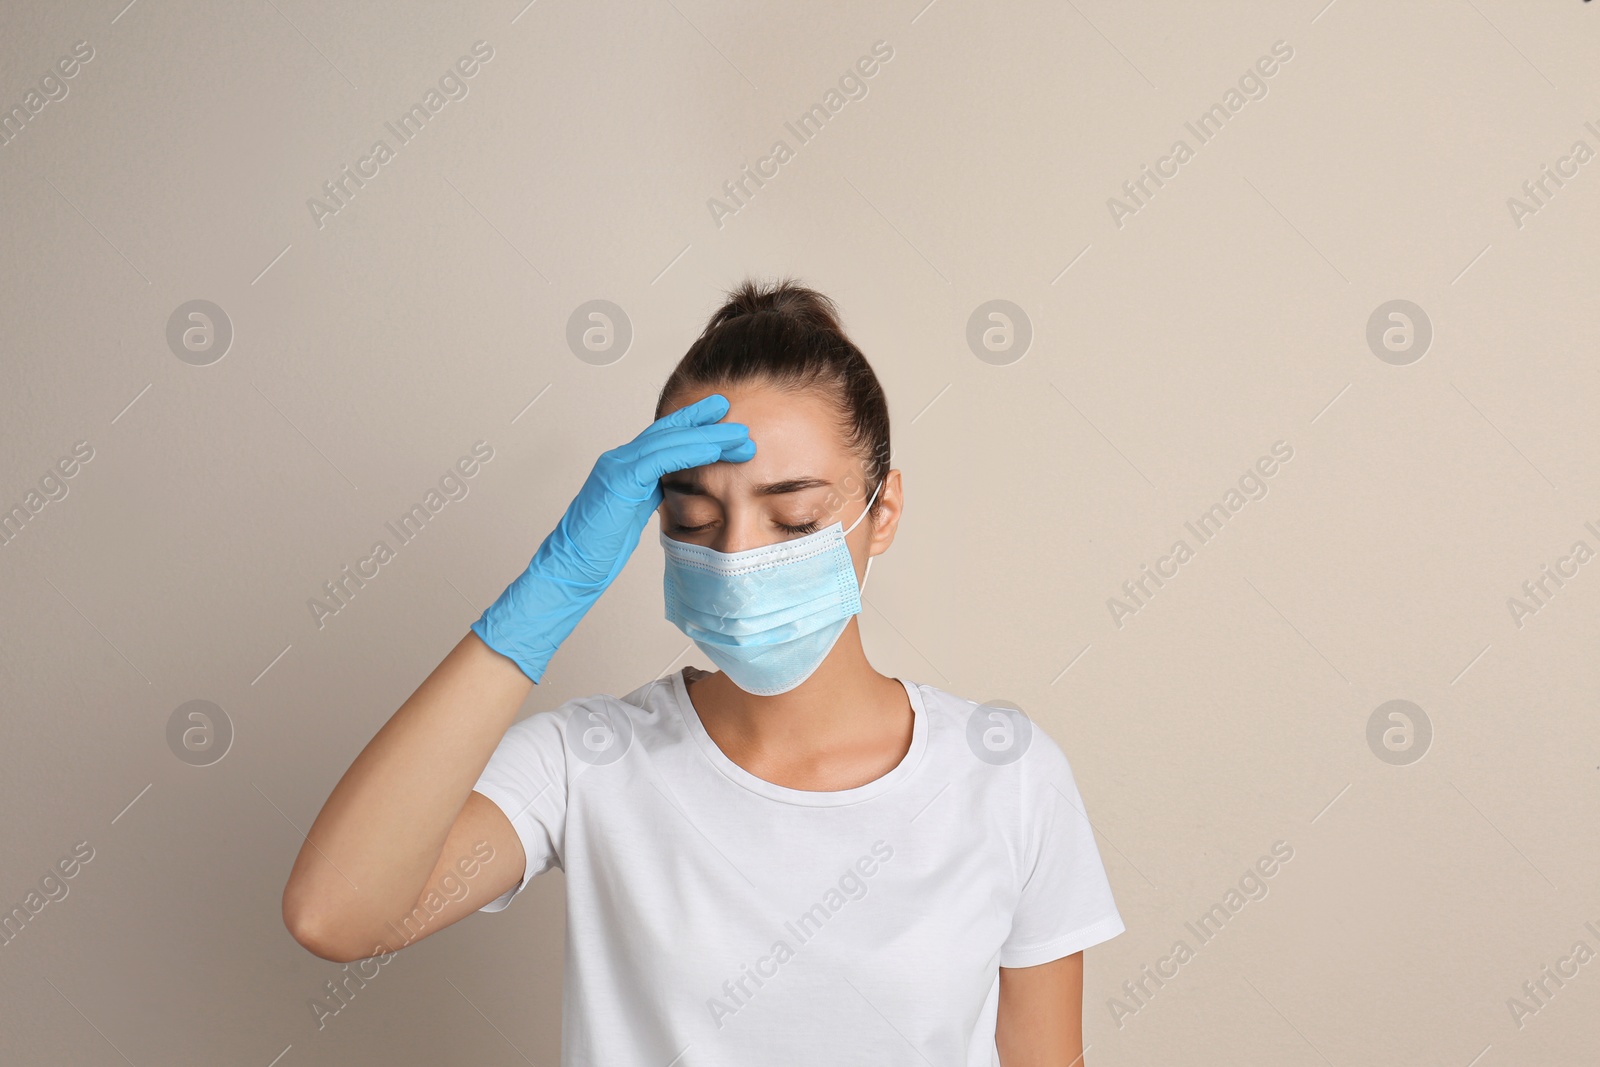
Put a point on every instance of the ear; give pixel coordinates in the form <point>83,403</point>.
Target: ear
<point>886,521</point>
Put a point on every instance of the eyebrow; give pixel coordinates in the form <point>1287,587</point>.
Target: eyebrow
<point>688,486</point>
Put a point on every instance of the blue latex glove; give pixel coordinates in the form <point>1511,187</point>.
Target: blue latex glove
<point>600,530</point>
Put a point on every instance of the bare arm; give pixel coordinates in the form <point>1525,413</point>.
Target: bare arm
<point>404,817</point>
<point>1040,1020</point>
<point>404,823</point>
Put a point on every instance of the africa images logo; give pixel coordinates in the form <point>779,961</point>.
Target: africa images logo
<point>851,885</point>
<point>452,85</point>
<point>852,85</point>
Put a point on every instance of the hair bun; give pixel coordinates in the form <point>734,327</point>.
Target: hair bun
<point>787,335</point>
<point>785,297</point>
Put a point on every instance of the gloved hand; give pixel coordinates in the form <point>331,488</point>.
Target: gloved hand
<point>600,530</point>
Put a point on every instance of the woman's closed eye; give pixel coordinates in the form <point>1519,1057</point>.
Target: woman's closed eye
<point>803,528</point>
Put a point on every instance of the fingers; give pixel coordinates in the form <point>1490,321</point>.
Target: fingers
<point>703,411</point>
<point>692,436</point>
<point>692,446</point>
<point>717,435</point>
<point>740,452</point>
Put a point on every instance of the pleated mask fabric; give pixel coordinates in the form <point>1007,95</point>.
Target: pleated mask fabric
<point>767,616</point>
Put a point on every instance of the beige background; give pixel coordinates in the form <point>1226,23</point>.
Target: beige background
<point>1226,314</point>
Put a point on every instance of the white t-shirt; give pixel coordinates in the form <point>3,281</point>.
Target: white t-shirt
<point>714,918</point>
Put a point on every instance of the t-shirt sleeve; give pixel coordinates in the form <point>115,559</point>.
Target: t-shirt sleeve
<point>1065,904</point>
<point>526,777</point>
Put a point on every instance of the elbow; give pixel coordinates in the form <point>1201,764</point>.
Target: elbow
<point>316,932</point>
<point>315,941</point>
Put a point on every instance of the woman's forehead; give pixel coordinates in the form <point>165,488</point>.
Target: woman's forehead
<point>792,429</point>
<point>797,439</point>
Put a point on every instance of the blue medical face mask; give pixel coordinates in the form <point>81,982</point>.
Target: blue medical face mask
<point>768,616</point>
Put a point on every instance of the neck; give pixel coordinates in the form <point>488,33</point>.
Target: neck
<point>844,700</point>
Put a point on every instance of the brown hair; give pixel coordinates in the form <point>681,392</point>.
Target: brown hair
<point>789,336</point>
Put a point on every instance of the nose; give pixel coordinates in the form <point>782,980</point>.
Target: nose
<point>743,527</point>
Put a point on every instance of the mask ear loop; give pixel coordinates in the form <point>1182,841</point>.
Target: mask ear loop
<point>868,572</point>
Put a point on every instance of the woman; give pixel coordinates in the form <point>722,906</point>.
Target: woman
<point>794,860</point>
